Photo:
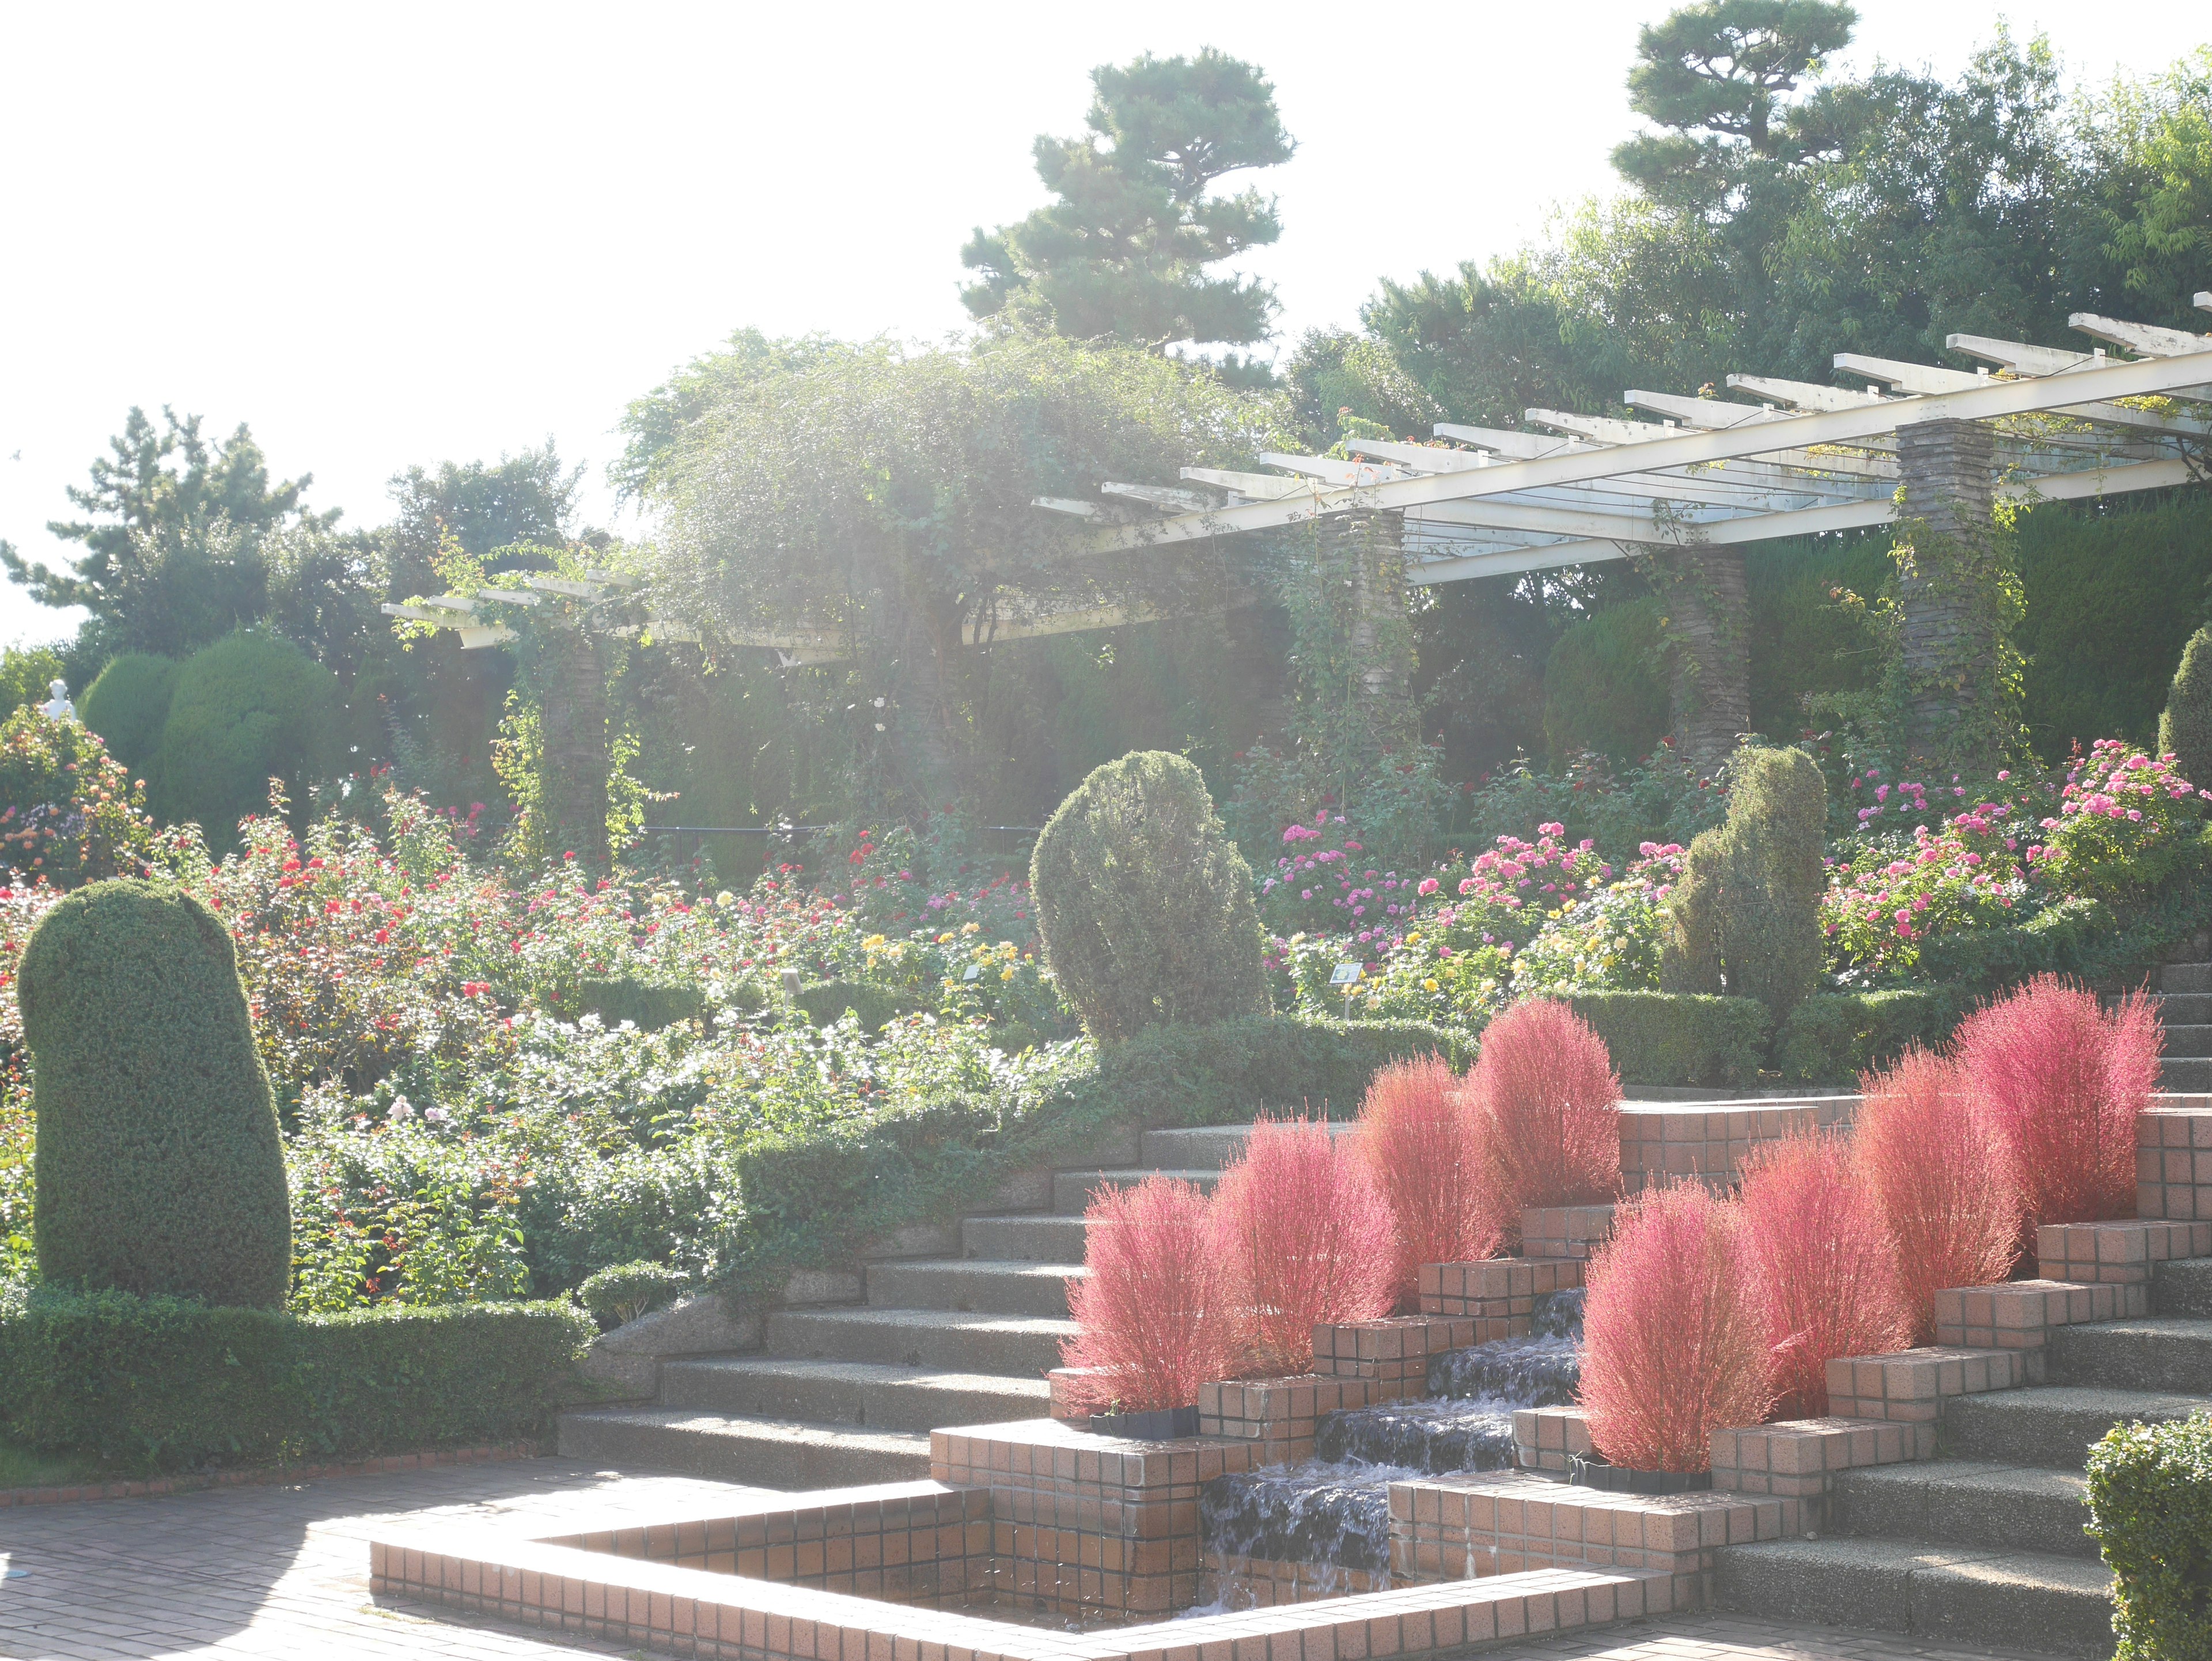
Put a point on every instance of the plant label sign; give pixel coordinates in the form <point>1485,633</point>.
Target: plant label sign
<point>1344,973</point>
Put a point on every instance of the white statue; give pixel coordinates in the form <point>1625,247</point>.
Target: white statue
<point>59,708</point>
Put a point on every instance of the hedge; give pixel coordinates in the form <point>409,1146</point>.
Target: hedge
<point>819,1196</point>
<point>2150,1509</point>
<point>825,1002</point>
<point>1679,1037</point>
<point>648,1005</point>
<point>167,1384</point>
<point>1833,1037</point>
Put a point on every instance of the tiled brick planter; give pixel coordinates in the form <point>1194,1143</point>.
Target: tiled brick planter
<point>1274,1419</point>
<point>2118,1253</point>
<point>1544,1437</point>
<point>1394,1351</point>
<point>1572,1231</point>
<point>2020,1314</point>
<point>1908,1387</point>
<point>1662,1141</point>
<point>1498,1295</point>
<point>1797,1461</point>
<point>1450,1528</point>
<point>2173,1160</point>
<point>1268,1582</point>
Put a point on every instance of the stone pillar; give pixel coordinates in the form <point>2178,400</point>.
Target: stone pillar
<point>1946,573</point>
<point>1709,631</point>
<point>1374,549</point>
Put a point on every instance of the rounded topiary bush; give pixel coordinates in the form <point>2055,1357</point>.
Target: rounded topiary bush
<point>128,705</point>
<point>246,709</point>
<point>2184,730</point>
<point>160,1169</point>
<point>1144,903</point>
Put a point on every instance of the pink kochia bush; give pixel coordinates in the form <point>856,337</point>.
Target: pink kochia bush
<point>2062,1080</point>
<point>1306,1236</point>
<point>1942,1180</point>
<point>1418,1139</point>
<point>1152,1310</point>
<point>1547,1101</point>
<point>1673,1345</point>
<point>1821,1264</point>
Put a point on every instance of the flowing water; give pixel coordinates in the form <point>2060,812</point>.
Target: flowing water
<point>1333,1511</point>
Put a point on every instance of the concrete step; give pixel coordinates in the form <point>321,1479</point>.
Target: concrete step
<point>1006,1346</point>
<point>1967,1503</point>
<point>2183,1008</point>
<point>764,1452</point>
<point>2186,977</point>
<point>1072,1190</point>
<point>1048,1239</point>
<point>2186,1074</point>
<point>2182,1286</point>
<point>2052,1426</point>
<point>974,1285</point>
<point>2190,1041</point>
<point>1208,1147</point>
<point>856,1393</point>
<point>2170,1354</point>
<point>1986,1600</point>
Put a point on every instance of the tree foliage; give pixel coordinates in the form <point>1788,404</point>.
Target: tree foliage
<point>1124,251</point>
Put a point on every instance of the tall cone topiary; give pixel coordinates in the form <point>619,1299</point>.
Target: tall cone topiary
<point>2184,730</point>
<point>1746,917</point>
<point>160,1167</point>
<point>1145,905</point>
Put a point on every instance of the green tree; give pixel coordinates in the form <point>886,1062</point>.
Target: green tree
<point>248,708</point>
<point>2184,730</point>
<point>1124,252</point>
<point>524,500</point>
<point>160,1166</point>
<point>172,544</point>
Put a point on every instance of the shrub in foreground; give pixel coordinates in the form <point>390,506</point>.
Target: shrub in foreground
<point>2063,1080</point>
<point>1548,1103</point>
<point>128,704</point>
<point>1942,1179</point>
<point>1418,1138</point>
<point>2185,729</point>
<point>626,1291</point>
<point>159,1165</point>
<point>1821,1266</point>
<point>1306,1236</point>
<point>1151,1311</point>
<point>250,1386</point>
<point>1145,905</point>
<point>1673,1345</point>
<point>2150,1510</point>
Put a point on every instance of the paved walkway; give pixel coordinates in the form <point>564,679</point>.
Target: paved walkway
<point>283,1571</point>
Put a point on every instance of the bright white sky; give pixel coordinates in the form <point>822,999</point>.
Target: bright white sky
<point>403,233</point>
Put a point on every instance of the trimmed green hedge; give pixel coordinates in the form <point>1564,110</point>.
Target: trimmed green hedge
<point>825,1002</point>
<point>2150,1509</point>
<point>1833,1037</point>
<point>820,1198</point>
<point>166,1384</point>
<point>649,1005</point>
<point>1679,1037</point>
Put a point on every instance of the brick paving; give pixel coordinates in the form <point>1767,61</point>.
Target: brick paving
<point>283,1571</point>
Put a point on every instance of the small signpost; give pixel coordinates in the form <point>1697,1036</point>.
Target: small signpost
<point>1346,975</point>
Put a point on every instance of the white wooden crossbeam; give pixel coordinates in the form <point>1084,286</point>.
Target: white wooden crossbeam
<point>1073,507</point>
<point>1923,378</point>
<point>2018,355</point>
<point>1750,486</point>
<point>2145,337</point>
<point>2204,300</point>
<point>1161,496</point>
<point>1803,394</point>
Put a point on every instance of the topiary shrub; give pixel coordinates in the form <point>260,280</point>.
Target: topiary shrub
<point>1145,905</point>
<point>128,706</point>
<point>2150,1510</point>
<point>1746,918</point>
<point>246,709</point>
<point>159,1168</point>
<point>627,1291</point>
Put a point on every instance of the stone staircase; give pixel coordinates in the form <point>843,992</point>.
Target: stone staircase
<point>1983,1545</point>
<point>846,1394</point>
<point>2183,996</point>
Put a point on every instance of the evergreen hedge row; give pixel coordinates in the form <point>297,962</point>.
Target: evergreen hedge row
<point>1833,1037</point>
<point>169,1384</point>
<point>2150,1509</point>
<point>1679,1037</point>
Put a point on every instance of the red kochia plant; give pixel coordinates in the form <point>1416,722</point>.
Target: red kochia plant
<point>1821,1265</point>
<point>2062,1082</point>
<point>1152,1310</point>
<point>1417,1138</point>
<point>1548,1101</point>
<point>1307,1236</point>
<point>1942,1178</point>
<point>1673,1345</point>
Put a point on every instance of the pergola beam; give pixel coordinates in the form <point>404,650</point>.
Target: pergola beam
<point>1923,378</point>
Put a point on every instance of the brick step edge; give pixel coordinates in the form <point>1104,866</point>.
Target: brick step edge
<point>193,1482</point>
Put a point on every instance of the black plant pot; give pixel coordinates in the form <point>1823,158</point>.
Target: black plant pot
<point>1160,1425</point>
<point>1595,1471</point>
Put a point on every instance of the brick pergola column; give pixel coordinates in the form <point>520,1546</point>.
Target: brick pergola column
<point>1709,628</point>
<point>1946,596</point>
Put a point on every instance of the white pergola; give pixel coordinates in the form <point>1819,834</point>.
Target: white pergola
<point>1803,458</point>
<point>1787,458</point>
